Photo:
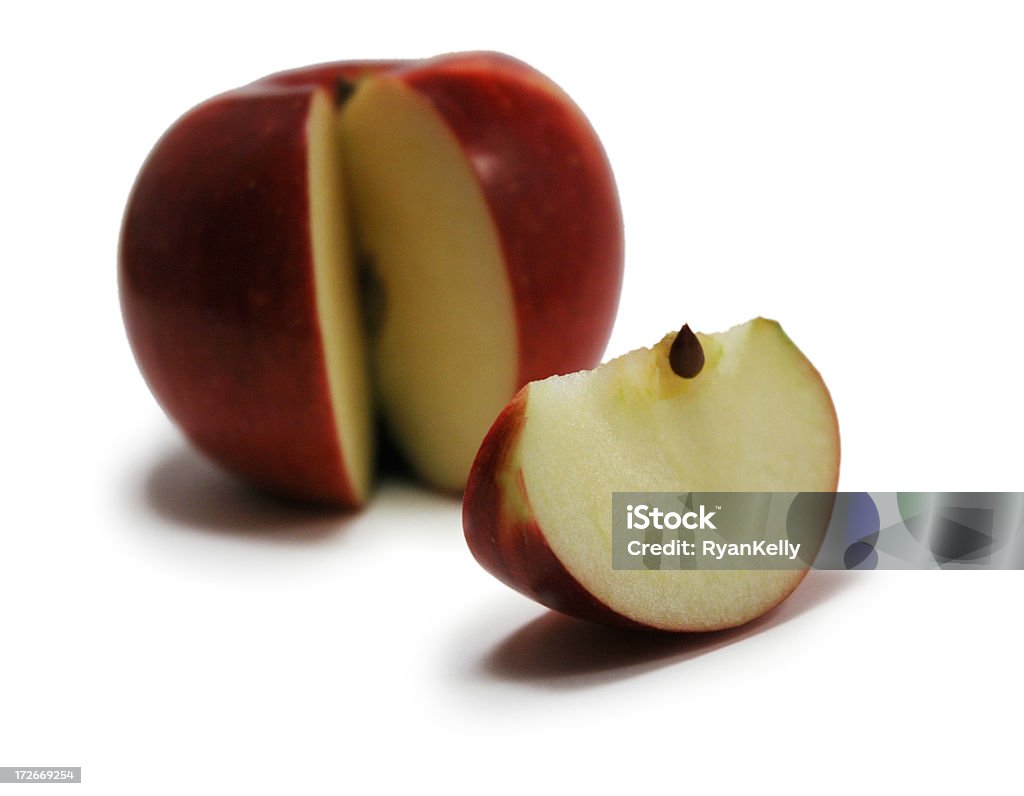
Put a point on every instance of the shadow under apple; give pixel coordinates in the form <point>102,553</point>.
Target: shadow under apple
<point>188,490</point>
<point>557,651</point>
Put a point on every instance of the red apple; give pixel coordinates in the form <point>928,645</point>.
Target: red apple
<point>459,209</point>
<point>749,413</point>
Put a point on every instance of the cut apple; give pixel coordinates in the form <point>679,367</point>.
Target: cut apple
<point>480,247</point>
<point>753,415</point>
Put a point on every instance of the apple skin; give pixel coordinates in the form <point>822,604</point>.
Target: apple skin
<point>509,543</point>
<point>327,75</point>
<point>217,292</point>
<point>552,198</point>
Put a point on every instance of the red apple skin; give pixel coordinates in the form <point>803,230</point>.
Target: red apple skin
<point>327,75</point>
<point>216,285</point>
<point>509,543</point>
<point>552,198</point>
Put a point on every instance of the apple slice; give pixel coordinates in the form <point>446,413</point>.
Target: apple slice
<point>749,413</point>
<point>489,231</point>
<point>240,297</point>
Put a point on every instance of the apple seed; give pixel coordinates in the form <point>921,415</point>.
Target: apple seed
<point>686,357</point>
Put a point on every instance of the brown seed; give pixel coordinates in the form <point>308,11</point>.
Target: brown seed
<point>686,357</point>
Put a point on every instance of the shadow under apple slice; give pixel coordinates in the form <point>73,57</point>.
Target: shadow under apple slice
<point>557,651</point>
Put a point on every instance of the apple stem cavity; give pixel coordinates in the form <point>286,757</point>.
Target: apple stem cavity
<point>343,90</point>
<point>686,356</point>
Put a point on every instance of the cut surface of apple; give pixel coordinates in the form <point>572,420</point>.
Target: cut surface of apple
<point>441,304</point>
<point>538,508</point>
<point>338,299</point>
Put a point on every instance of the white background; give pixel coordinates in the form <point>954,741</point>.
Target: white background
<point>855,170</point>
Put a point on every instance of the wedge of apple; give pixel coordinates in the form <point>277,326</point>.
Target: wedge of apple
<point>328,243</point>
<point>748,413</point>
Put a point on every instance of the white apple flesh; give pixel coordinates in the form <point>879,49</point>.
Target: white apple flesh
<point>537,510</point>
<point>442,310</point>
<point>338,300</point>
